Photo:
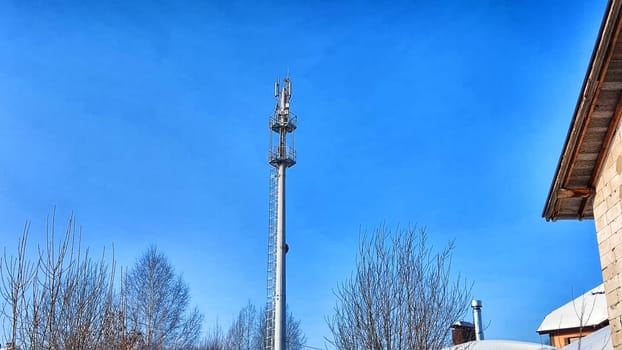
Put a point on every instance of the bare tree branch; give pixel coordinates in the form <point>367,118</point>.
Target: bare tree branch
<point>401,295</point>
<point>157,304</point>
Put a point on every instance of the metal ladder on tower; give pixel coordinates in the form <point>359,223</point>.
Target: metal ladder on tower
<point>271,279</point>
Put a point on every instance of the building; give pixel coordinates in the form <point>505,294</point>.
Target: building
<point>576,319</point>
<point>599,340</point>
<point>470,336</point>
<point>500,345</point>
<point>588,180</point>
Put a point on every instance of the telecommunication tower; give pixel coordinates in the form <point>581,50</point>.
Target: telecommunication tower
<point>281,156</point>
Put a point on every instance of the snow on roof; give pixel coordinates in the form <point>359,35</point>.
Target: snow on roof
<point>500,345</point>
<point>590,309</point>
<point>599,340</point>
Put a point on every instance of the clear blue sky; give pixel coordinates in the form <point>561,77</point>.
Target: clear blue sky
<point>149,121</point>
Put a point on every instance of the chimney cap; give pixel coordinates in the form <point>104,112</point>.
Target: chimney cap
<point>475,303</point>
<point>465,324</point>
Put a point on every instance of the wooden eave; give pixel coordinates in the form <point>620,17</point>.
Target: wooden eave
<point>564,331</point>
<point>593,126</point>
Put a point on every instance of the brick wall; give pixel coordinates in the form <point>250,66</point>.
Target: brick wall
<point>608,220</point>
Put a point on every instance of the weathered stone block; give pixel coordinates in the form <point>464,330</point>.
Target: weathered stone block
<point>613,213</point>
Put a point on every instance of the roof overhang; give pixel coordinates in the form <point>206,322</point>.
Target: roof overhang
<point>593,126</point>
<point>586,311</point>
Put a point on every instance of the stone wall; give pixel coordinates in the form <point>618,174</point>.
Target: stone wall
<point>608,220</point>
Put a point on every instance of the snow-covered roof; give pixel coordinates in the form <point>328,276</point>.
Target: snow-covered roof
<point>599,340</point>
<point>500,345</point>
<point>590,309</point>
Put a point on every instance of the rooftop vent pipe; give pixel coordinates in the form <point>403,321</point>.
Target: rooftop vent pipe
<point>477,319</point>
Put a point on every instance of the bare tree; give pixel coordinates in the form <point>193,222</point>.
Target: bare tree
<point>294,337</point>
<point>158,304</point>
<point>241,333</point>
<point>16,274</point>
<point>248,332</point>
<point>61,299</point>
<point>401,295</point>
<point>215,339</point>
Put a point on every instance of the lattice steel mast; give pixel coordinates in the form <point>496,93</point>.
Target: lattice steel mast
<point>281,156</point>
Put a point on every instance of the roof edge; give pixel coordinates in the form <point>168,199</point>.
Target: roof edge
<point>587,92</point>
<point>595,326</point>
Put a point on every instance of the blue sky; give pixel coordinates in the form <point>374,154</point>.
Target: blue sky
<point>148,120</point>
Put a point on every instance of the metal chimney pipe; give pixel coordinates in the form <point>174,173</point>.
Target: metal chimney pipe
<point>477,319</point>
